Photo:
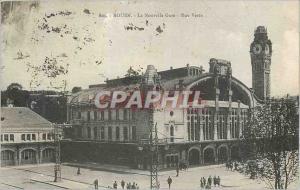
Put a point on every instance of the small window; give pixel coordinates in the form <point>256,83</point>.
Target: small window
<point>11,137</point>
<point>102,115</point>
<point>125,114</point>
<point>23,137</point>
<point>48,136</point>
<point>133,115</point>
<point>88,116</point>
<point>33,137</point>
<point>95,115</point>
<point>44,136</point>
<point>171,113</point>
<point>28,137</point>
<point>5,137</point>
<point>117,114</point>
<point>1,138</point>
<point>109,114</point>
<point>133,132</point>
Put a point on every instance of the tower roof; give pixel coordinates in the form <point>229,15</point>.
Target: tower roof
<point>261,30</point>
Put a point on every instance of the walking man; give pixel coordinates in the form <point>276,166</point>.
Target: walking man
<point>115,185</point>
<point>177,171</point>
<point>96,184</point>
<point>169,181</point>
<point>78,171</point>
<point>215,180</point>
<point>209,181</point>
<point>122,184</point>
<point>201,182</point>
<point>219,180</point>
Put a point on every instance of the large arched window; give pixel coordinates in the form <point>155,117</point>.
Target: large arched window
<point>95,133</point>
<point>117,133</point>
<point>125,133</point>
<point>109,133</point>
<point>88,132</point>
<point>134,133</point>
<point>102,134</point>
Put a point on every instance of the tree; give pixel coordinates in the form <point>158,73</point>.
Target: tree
<point>14,86</point>
<point>76,89</point>
<point>133,73</point>
<point>273,132</point>
<point>18,96</point>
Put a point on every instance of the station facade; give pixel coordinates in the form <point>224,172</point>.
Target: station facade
<point>207,134</point>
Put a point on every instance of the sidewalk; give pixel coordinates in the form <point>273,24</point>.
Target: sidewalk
<point>63,184</point>
<point>108,167</point>
<point>128,170</point>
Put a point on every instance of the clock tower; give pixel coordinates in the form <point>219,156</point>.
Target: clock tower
<point>261,52</point>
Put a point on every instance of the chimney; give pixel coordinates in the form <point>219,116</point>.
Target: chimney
<point>171,68</point>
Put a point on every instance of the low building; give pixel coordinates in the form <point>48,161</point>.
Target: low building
<point>26,137</point>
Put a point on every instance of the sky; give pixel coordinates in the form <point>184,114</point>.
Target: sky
<point>87,48</point>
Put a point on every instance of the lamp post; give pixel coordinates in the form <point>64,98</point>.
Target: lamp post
<point>57,137</point>
<point>154,158</point>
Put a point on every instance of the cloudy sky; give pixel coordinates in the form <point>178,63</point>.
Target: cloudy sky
<point>87,48</point>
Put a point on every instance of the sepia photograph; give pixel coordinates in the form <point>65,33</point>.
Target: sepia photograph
<point>149,95</point>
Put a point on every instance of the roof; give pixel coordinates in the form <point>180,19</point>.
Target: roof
<point>87,96</point>
<point>22,118</point>
<point>169,79</point>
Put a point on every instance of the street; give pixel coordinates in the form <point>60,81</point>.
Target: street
<point>41,177</point>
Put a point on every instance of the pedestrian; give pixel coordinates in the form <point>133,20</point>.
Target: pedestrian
<point>215,180</point>
<point>201,182</point>
<point>137,187</point>
<point>204,181</point>
<point>115,185</point>
<point>177,171</point>
<point>78,171</point>
<point>122,184</point>
<point>209,181</point>
<point>235,166</point>
<point>133,186</point>
<point>219,180</point>
<point>96,183</point>
<point>129,185</point>
<point>169,181</point>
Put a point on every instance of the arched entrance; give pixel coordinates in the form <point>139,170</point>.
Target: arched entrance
<point>209,157</point>
<point>235,153</point>
<point>28,156</point>
<point>194,157</point>
<point>7,158</point>
<point>222,154</point>
<point>48,155</point>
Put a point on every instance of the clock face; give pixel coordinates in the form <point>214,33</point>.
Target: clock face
<point>267,50</point>
<point>257,48</point>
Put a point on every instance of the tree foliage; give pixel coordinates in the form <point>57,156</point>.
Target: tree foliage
<point>133,73</point>
<point>273,137</point>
